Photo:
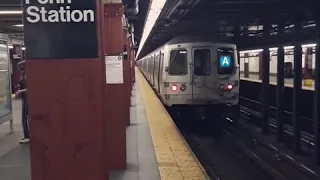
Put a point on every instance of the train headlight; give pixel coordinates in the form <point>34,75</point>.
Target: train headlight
<point>225,87</point>
<point>174,87</point>
<point>183,87</point>
<point>229,87</point>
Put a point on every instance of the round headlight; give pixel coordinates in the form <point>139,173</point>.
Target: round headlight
<point>183,87</point>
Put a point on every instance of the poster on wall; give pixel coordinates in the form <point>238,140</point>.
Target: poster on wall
<point>114,69</point>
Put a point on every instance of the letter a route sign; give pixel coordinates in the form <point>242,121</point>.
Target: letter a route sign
<point>225,61</point>
<point>60,29</point>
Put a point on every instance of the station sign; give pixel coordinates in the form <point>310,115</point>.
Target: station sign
<point>60,29</point>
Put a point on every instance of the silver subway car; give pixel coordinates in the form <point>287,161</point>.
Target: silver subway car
<point>192,71</point>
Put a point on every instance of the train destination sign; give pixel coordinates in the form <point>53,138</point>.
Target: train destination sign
<point>60,29</point>
<point>225,61</point>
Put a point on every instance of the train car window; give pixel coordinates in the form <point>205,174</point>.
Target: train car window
<point>202,62</point>
<point>178,62</point>
<point>226,64</point>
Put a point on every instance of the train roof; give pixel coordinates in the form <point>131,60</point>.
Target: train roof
<point>197,38</point>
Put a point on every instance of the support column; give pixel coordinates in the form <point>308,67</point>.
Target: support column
<point>265,67</point>
<point>261,65</point>
<point>316,116</point>
<point>127,72</point>
<point>131,59</point>
<point>115,91</point>
<point>297,89</point>
<point>133,65</point>
<point>307,70</point>
<point>65,94</point>
<point>16,58</point>
<point>280,87</point>
<point>246,65</point>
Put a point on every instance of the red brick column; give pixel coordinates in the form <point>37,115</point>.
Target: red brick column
<point>65,96</point>
<point>116,98</point>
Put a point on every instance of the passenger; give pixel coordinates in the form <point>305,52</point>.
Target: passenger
<point>23,94</point>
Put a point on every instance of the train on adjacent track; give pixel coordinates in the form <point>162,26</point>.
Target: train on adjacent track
<point>194,72</point>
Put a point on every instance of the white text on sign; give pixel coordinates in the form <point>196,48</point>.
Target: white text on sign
<point>65,14</point>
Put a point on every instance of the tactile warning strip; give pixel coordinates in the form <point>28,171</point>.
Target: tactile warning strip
<point>174,157</point>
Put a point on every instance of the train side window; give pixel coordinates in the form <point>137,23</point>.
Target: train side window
<point>202,62</point>
<point>226,64</point>
<point>178,62</point>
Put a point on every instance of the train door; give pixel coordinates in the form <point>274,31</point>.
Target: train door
<point>160,71</point>
<point>156,72</point>
<point>149,69</point>
<point>153,70</point>
<point>202,79</point>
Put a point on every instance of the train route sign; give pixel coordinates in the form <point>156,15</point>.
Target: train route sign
<point>60,29</point>
<point>225,61</point>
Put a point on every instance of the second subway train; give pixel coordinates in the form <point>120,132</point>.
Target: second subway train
<point>189,71</point>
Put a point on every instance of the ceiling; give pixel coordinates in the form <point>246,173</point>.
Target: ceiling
<point>7,22</point>
<point>229,17</point>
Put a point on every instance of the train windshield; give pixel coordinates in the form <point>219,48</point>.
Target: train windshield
<point>225,59</point>
<point>178,62</point>
<point>202,62</point>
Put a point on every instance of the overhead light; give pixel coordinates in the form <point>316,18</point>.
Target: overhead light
<point>18,25</point>
<point>10,46</point>
<point>309,45</point>
<point>252,51</point>
<point>23,48</point>
<point>10,12</point>
<point>153,14</point>
<point>275,48</point>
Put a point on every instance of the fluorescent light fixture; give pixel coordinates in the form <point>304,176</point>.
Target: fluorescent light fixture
<point>275,48</point>
<point>18,25</point>
<point>7,12</point>
<point>252,51</point>
<point>153,14</point>
<point>288,47</point>
<point>309,45</point>
<point>23,48</point>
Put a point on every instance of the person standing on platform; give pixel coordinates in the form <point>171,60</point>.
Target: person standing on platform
<point>22,92</point>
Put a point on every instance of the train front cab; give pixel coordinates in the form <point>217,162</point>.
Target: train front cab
<point>202,75</point>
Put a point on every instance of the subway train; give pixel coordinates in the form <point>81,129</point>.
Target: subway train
<point>194,72</point>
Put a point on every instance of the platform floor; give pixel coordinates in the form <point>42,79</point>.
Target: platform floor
<point>175,159</point>
<point>14,158</point>
<point>273,80</point>
<point>155,148</point>
<point>142,163</point>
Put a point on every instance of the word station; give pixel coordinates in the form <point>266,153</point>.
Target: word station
<point>35,14</point>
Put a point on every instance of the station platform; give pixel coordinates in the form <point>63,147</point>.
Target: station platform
<point>273,81</point>
<point>155,148</point>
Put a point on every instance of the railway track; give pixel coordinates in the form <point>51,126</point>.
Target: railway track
<point>223,160</point>
<point>227,152</point>
<point>281,149</point>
